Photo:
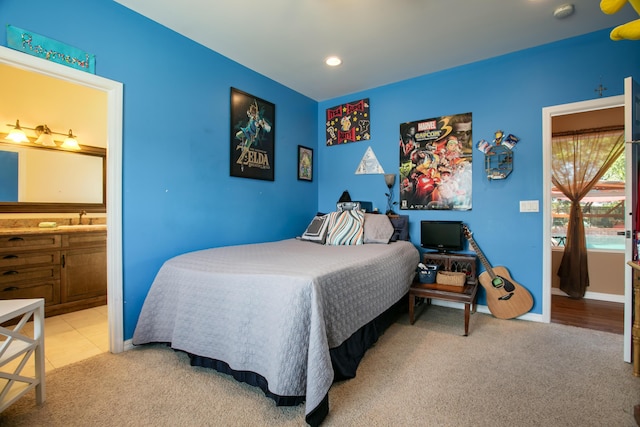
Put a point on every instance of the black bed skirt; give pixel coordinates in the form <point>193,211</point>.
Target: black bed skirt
<point>345,360</point>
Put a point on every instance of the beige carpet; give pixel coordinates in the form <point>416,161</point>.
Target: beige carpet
<point>505,373</point>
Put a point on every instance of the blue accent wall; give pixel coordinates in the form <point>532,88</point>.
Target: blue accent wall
<point>177,192</point>
<point>507,93</point>
<point>8,176</point>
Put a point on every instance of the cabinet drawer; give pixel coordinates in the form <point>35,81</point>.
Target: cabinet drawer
<point>79,240</point>
<point>17,275</point>
<point>29,241</point>
<point>27,259</point>
<point>46,289</point>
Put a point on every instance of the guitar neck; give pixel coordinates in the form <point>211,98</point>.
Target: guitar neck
<point>483,259</point>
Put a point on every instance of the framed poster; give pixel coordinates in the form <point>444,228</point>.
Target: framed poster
<point>435,163</point>
<point>305,163</point>
<point>349,122</point>
<point>252,136</point>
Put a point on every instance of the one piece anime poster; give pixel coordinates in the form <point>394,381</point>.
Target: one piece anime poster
<point>348,122</point>
<point>252,136</point>
<point>435,163</point>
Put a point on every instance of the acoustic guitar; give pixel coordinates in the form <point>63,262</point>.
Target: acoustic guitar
<point>506,298</point>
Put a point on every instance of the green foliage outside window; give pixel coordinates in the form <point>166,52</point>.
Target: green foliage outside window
<point>600,217</point>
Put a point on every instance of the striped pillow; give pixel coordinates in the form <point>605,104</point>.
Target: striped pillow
<point>346,228</point>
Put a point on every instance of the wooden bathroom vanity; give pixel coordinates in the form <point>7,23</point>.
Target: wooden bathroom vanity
<point>67,266</point>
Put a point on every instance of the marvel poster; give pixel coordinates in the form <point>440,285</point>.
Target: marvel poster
<point>348,122</point>
<point>435,163</point>
<point>252,136</point>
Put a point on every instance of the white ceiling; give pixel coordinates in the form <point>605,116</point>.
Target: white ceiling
<point>379,41</point>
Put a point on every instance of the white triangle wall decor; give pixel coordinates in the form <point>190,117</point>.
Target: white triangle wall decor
<point>369,164</point>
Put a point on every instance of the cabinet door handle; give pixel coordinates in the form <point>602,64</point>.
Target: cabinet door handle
<point>10,257</point>
<point>9,273</point>
<point>63,261</point>
<point>11,288</point>
<point>16,239</point>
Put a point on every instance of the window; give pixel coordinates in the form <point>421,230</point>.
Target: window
<point>603,210</point>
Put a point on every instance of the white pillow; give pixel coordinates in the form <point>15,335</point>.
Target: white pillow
<point>377,228</point>
<point>317,230</point>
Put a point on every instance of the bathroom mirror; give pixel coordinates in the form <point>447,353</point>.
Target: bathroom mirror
<point>39,179</point>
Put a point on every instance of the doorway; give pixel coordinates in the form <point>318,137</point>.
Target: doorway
<point>114,94</point>
<point>603,208</point>
<point>597,107</point>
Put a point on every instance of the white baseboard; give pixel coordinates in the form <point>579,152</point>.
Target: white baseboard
<point>594,296</point>
<point>533,316</point>
<point>484,309</point>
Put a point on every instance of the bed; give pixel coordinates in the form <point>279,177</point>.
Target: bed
<point>289,316</point>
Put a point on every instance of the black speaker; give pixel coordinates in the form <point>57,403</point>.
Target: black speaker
<point>346,197</point>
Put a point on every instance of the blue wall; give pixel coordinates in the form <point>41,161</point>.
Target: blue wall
<point>178,195</point>
<point>9,176</point>
<point>177,192</point>
<point>507,93</point>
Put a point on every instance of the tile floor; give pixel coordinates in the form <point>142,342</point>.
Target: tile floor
<point>72,337</point>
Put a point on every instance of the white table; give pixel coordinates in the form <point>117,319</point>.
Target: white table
<point>18,346</point>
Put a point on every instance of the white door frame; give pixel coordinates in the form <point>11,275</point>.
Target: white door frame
<point>114,91</point>
<point>547,114</point>
<point>631,134</point>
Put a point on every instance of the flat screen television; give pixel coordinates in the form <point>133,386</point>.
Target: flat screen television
<point>442,236</point>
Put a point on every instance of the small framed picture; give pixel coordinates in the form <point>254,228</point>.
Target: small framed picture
<point>305,163</point>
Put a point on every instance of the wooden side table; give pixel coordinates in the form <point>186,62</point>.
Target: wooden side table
<point>466,294</point>
<point>18,346</point>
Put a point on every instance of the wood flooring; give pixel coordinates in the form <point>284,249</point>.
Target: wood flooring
<point>587,313</point>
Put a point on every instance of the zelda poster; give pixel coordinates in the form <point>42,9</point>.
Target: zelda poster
<point>435,163</point>
<point>252,136</point>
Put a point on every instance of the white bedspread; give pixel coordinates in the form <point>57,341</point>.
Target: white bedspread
<point>275,308</point>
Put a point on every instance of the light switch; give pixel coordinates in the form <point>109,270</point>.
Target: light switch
<point>529,206</point>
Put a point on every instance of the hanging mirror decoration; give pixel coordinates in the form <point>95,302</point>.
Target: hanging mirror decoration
<point>498,155</point>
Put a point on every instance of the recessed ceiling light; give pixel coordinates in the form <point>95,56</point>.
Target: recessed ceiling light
<point>563,10</point>
<point>333,61</point>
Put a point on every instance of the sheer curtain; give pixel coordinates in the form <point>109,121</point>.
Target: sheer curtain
<point>579,159</point>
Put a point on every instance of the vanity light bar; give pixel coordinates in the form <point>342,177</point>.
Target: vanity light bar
<point>44,136</point>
